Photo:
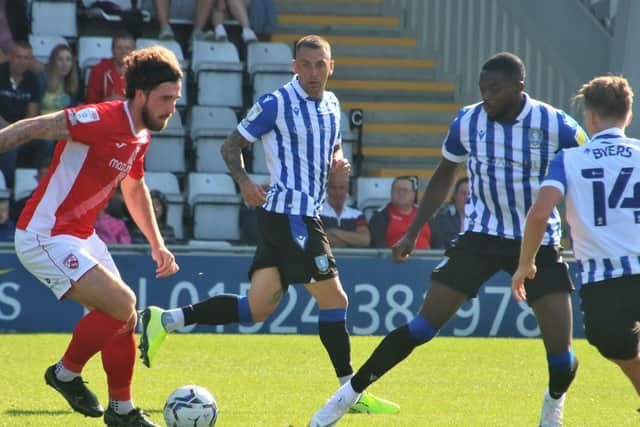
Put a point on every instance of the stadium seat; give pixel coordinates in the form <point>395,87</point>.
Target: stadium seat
<point>166,151</point>
<point>218,73</point>
<point>167,183</point>
<point>173,46</point>
<point>25,182</point>
<point>42,45</point>
<point>259,164</point>
<point>372,194</point>
<point>5,194</point>
<point>210,126</point>
<point>269,66</point>
<point>90,51</point>
<point>215,205</point>
<point>54,18</point>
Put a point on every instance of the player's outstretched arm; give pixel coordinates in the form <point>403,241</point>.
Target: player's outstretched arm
<point>231,151</point>
<point>49,126</point>
<point>433,197</point>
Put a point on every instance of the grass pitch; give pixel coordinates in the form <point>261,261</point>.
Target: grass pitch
<point>279,381</point>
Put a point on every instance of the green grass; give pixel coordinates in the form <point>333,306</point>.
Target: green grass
<point>279,381</point>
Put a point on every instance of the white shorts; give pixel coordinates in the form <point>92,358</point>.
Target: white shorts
<point>58,260</point>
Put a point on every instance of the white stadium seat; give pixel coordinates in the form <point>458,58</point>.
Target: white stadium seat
<point>269,66</point>
<point>166,151</point>
<point>173,46</point>
<point>218,73</point>
<point>54,18</point>
<point>92,50</point>
<point>372,194</point>
<point>25,182</point>
<point>215,205</point>
<point>210,126</point>
<point>42,45</point>
<point>167,183</point>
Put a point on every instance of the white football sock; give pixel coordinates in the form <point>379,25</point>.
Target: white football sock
<point>63,374</point>
<point>121,407</point>
<point>173,319</point>
<point>345,379</point>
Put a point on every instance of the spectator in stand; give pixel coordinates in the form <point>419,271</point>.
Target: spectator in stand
<point>263,18</point>
<point>160,204</point>
<point>449,221</point>
<point>106,81</point>
<point>111,229</point>
<point>19,98</point>
<point>346,226</point>
<point>390,223</point>
<point>59,89</point>
<point>205,9</point>
<point>7,227</point>
<point>18,205</point>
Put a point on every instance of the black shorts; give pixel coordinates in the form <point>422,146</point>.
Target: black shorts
<point>296,245</point>
<point>611,314</point>
<point>474,257</point>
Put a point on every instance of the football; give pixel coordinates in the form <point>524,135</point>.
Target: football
<point>190,406</point>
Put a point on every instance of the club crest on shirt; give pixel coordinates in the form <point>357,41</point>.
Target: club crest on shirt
<point>322,263</point>
<point>535,137</point>
<point>71,262</point>
<point>254,112</point>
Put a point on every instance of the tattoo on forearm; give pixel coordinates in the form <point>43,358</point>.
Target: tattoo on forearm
<point>231,152</point>
<point>51,126</point>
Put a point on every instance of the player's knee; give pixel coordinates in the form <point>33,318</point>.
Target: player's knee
<point>123,305</point>
<point>421,330</point>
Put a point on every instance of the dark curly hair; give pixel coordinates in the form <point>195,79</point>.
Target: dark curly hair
<point>147,68</point>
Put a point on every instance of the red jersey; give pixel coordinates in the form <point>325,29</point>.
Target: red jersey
<point>104,81</point>
<point>398,225</point>
<point>85,170</point>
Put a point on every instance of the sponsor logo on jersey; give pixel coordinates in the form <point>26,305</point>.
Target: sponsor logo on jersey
<point>121,166</point>
<point>71,262</point>
<point>87,115</point>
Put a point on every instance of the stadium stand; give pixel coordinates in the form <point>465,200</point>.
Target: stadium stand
<point>215,205</point>
<point>54,18</point>
<point>218,74</point>
<point>25,182</point>
<point>372,194</point>
<point>210,126</point>
<point>167,183</point>
<point>173,46</point>
<point>268,66</point>
<point>90,51</point>
<point>167,153</point>
<point>43,45</point>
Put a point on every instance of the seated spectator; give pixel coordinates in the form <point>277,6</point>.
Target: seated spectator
<point>111,229</point>
<point>346,227</point>
<point>106,80</point>
<point>59,90</point>
<point>449,221</point>
<point>205,9</point>
<point>263,18</point>
<point>7,227</point>
<point>19,99</point>
<point>160,205</point>
<point>390,223</point>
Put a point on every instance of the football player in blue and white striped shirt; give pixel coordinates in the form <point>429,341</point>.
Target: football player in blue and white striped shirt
<point>507,141</point>
<point>601,186</point>
<point>299,127</point>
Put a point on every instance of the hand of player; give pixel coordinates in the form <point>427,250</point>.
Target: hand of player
<point>517,281</point>
<point>252,193</point>
<point>165,261</point>
<point>341,167</point>
<point>402,249</point>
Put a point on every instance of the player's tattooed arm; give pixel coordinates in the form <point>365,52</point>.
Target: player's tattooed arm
<point>49,126</point>
<point>231,152</point>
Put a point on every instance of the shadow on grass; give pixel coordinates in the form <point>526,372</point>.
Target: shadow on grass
<point>23,412</point>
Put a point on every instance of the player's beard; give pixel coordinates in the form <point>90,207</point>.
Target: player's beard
<point>150,122</point>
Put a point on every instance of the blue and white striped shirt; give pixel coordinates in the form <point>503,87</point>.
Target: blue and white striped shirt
<point>299,135</point>
<point>506,163</point>
<point>601,182</point>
